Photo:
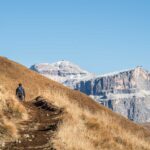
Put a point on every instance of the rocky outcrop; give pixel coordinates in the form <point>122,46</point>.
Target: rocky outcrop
<point>124,82</point>
<point>125,92</point>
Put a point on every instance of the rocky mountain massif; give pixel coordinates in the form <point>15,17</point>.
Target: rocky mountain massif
<point>126,92</point>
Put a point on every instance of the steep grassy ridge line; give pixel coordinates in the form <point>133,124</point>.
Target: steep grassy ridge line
<point>90,125</point>
<point>12,73</point>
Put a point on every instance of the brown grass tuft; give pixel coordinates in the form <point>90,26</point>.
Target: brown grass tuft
<point>11,111</point>
<point>16,109</point>
<point>8,128</point>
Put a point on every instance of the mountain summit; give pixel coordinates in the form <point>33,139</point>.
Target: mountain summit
<point>62,71</point>
<point>126,92</point>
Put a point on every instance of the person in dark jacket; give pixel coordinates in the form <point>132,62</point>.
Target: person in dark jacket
<point>20,92</point>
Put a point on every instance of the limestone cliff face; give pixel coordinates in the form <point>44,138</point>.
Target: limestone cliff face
<point>125,92</point>
<point>124,82</point>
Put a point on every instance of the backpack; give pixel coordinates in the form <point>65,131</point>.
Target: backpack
<point>20,90</point>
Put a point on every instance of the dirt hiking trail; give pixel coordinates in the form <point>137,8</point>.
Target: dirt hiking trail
<point>37,132</point>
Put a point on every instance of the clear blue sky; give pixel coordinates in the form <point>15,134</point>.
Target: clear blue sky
<point>99,35</point>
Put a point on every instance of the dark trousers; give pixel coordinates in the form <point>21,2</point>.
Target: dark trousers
<point>21,97</point>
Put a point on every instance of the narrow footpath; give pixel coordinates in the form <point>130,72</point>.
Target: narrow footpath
<point>37,132</point>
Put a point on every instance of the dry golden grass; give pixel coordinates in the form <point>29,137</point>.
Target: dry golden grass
<point>8,129</point>
<point>83,129</point>
<point>16,109</point>
<point>86,124</point>
<point>11,112</point>
<point>9,104</point>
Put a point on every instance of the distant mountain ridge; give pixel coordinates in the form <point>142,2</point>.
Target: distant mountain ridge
<point>126,92</point>
<point>63,71</point>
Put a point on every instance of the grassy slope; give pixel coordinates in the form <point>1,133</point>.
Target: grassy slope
<point>86,125</point>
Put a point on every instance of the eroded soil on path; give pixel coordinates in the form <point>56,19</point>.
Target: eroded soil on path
<point>37,132</point>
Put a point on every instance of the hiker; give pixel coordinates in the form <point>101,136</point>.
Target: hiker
<point>20,92</point>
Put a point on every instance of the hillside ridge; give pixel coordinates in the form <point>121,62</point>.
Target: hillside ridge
<point>83,119</point>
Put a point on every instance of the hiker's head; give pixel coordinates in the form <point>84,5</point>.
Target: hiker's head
<point>20,84</point>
